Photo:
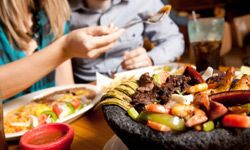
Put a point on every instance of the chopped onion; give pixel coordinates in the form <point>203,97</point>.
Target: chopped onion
<point>34,121</point>
<point>183,99</point>
<point>48,120</point>
<point>65,111</point>
<point>84,99</point>
<point>208,73</point>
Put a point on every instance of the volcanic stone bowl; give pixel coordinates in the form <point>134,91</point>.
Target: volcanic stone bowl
<point>138,136</point>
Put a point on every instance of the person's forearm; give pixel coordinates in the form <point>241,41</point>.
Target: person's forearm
<point>64,74</point>
<point>21,74</point>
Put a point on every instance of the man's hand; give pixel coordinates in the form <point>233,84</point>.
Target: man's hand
<point>136,58</point>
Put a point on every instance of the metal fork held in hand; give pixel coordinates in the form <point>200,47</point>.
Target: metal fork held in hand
<point>151,19</point>
<point>116,70</point>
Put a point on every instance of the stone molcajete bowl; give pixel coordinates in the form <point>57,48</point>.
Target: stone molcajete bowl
<point>138,136</point>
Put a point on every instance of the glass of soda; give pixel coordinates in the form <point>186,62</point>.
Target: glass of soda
<point>205,36</point>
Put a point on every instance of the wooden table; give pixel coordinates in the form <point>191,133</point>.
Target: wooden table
<point>91,132</point>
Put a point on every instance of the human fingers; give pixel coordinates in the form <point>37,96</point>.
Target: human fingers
<point>97,52</point>
<point>77,42</point>
<point>134,53</point>
<point>134,56</point>
<point>100,41</point>
<point>137,62</point>
<point>134,66</point>
<point>100,30</point>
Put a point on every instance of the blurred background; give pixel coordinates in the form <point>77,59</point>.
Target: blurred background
<point>235,50</point>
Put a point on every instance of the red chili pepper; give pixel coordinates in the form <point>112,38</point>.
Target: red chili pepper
<point>236,120</point>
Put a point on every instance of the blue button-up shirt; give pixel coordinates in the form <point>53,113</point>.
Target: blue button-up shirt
<point>166,36</point>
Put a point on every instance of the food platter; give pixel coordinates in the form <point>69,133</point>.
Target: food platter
<point>136,73</point>
<point>26,99</point>
<point>105,83</point>
<point>139,136</point>
<point>153,113</point>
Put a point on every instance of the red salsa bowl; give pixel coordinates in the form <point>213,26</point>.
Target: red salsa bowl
<point>54,136</point>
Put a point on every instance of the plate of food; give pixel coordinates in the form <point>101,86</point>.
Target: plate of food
<point>57,104</point>
<point>190,111</point>
<point>106,83</point>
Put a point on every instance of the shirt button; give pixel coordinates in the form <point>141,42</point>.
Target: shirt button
<point>133,35</point>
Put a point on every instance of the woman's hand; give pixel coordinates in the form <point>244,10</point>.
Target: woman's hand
<point>87,43</point>
<point>136,58</point>
<point>91,42</point>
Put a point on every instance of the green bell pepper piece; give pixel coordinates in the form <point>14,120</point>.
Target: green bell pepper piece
<point>71,108</point>
<point>132,112</point>
<point>208,126</point>
<point>80,107</point>
<point>174,122</point>
<point>51,114</point>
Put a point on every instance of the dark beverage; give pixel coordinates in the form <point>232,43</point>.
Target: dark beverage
<point>206,53</point>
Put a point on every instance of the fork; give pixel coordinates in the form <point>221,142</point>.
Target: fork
<point>151,19</point>
<point>116,70</point>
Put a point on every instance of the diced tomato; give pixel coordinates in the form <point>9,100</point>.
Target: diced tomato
<point>158,126</point>
<point>156,108</point>
<point>57,109</point>
<point>236,120</point>
<point>75,103</point>
<point>216,110</point>
<point>167,109</point>
<point>42,119</point>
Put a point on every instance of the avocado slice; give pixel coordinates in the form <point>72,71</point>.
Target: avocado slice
<point>132,84</point>
<point>126,90</point>
<point>117,94</point>
<point>114,101</point>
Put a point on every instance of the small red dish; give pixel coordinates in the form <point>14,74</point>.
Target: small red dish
<point>53,136</point>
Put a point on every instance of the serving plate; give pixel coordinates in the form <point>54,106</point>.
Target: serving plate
<point>136,73</point>
<point>20,101</point>
<point>105,83</point>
